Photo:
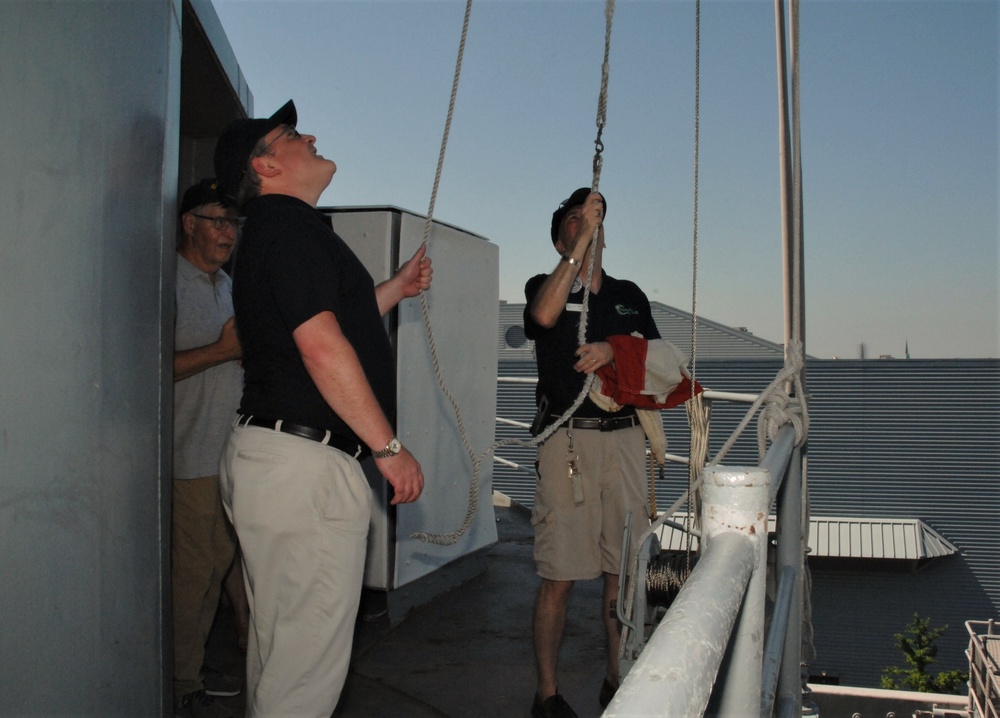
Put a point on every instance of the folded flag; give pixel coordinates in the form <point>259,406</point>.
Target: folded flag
<point>646,373</point>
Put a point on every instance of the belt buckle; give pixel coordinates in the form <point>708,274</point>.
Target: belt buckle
<point>605,425</point>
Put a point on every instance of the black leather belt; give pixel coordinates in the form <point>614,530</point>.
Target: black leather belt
<point>610,424</point>
<point>306,432</point>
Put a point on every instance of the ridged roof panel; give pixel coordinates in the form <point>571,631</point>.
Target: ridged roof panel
<point>851,537</point>
<point>715,341</point>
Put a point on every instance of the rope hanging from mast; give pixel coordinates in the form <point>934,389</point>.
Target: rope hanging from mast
<point>448,539</point>
<point>452,537</point>
<point>784,399</point>
<point>697,412</point>
<point>602,100</point>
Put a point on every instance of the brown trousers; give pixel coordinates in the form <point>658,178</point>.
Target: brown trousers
<point>202,550</point>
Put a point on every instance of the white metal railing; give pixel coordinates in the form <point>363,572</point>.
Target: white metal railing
<point>708,395</point>
<point>709,653</point>
<point>984,669</point>
<point>719,611</point>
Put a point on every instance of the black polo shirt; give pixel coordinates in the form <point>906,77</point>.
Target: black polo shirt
<point>619,309</point>
<point>291,266</point>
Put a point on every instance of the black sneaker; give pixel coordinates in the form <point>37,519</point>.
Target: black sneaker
<point>199,705</point>
<point>608,690</point>
<point>552,707</point>
<point>218,683</point>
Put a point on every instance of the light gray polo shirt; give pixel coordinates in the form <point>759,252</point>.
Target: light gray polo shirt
<point>204,404</point>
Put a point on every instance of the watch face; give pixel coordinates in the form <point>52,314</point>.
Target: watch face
<point>394,446</point>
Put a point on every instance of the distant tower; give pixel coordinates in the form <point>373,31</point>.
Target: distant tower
<point>907,348</point>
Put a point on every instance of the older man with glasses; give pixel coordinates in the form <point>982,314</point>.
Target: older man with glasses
<point>208,380</point>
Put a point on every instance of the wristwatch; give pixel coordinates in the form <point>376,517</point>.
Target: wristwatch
<point>391,449</point>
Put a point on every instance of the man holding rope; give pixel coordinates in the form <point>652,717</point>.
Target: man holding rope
<point>319,397</point>
<point>591,469</point>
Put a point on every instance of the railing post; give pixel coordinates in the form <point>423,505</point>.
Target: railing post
<point>739,499</point>
<point>675,673</point>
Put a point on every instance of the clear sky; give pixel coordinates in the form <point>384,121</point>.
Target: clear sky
<point>899,146</point>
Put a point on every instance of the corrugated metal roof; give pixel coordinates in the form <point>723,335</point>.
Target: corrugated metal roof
<point>715,341</point>
<point>851,537</point>
<point>901,539</point>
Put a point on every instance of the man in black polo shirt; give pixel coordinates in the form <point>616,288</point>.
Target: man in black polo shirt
<point>319,394</point>
<point>591,471</point>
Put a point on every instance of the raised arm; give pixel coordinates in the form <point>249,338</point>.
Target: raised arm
<point>576,236</point>
<point>411,279</point>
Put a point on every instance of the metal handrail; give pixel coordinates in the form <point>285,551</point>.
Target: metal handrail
<point>675,672</point>
<point>984,670</point>
<point>720,611</point>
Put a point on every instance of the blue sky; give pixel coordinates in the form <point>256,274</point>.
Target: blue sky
<point>899,146</point>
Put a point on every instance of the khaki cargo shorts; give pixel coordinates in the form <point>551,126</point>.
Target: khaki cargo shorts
<point>579,542</point>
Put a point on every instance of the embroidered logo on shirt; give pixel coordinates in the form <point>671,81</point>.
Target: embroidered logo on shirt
<point>625,311</point>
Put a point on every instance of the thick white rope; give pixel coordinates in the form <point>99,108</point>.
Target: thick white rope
<point>602,111</point>
<point>477,461</point>
<point>447,539</point>
<point>698,425</point>
<point>601,120</point>
<point>698,413</point>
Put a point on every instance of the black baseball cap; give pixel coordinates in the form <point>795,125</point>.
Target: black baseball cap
<point>574,200</point>
<point>235,145</point>
<point>204,192</point>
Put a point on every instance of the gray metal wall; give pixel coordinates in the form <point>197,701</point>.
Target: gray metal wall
<point>463,313</point>
<point>89,103</point>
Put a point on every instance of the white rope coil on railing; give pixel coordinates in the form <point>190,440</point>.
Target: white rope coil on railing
<point>780,406</point>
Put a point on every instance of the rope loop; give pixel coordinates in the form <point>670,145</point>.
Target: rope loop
<point>779,409</point>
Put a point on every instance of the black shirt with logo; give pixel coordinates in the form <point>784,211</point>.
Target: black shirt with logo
<point>620,308</point>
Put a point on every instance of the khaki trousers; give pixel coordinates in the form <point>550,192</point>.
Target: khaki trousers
<point>301,511</point>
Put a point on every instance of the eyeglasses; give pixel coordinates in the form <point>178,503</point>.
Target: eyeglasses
<point>221,223</point>
<point>290,131</point>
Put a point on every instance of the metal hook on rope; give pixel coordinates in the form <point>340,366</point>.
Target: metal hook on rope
<point>598,149</point>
